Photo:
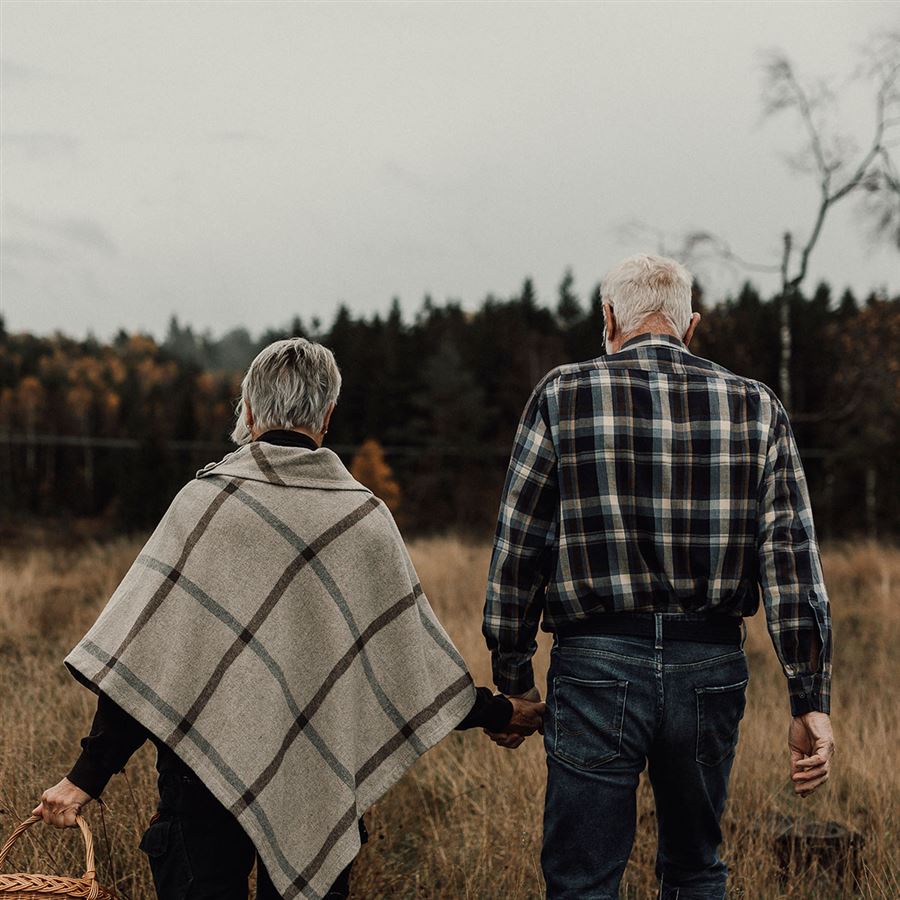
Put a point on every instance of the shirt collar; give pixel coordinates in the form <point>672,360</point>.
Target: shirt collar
<point>283,437</point>
<point>650,338</point>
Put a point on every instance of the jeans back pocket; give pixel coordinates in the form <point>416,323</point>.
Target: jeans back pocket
<point>588,720</point>
<point>719,713</point>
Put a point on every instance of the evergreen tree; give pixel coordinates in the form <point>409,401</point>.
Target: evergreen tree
<point>568,306</point>
<point>445,391</point>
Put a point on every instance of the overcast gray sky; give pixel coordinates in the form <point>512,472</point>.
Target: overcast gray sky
<point>240,163</point>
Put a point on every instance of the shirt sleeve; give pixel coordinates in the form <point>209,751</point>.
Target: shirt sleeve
<point>491,711</point>
<point>114,737</point>
<point>524,550</point>
<point>790,573</point>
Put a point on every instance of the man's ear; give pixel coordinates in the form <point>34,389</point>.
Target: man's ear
<point>248,416</point>
<point>695,319</point>
<point>609,319</point>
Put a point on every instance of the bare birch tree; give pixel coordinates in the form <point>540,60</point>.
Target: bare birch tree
<point>840,169</point>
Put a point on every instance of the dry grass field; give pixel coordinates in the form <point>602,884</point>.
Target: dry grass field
<point>466,822</point>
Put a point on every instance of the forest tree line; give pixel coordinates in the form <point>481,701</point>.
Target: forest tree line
<point>111,430</point>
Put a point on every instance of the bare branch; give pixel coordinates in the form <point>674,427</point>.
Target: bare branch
<point>889,173</point>
<point>637,230</point>
<point>875,148</point>
<point>882,202</point>
<point>720,248</point>
<point>827,154</point>
<point>812,240</point>
<point>782,90</point>
<point>867,175</point>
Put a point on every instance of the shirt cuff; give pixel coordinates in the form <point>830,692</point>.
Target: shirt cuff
<point>490,711</point>
<point>89,776</point>
<point>809,693</point>
<point>513,675</point>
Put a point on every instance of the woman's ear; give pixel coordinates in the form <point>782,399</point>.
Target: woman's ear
<point>327,420</point>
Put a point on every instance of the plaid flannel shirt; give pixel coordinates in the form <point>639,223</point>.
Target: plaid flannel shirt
<point>653,480</point>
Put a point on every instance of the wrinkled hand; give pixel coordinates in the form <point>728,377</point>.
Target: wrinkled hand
<point>811,743</point>
<point>527,717</point>
<point>60,803</point>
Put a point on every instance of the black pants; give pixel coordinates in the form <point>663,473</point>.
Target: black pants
<point>197,849</point>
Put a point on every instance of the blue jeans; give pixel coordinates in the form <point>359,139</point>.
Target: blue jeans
<point>615,703</point>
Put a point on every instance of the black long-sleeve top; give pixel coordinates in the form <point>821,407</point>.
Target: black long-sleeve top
<point>115,735</point>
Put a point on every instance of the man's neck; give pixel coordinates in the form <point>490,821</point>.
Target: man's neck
<point>650,325</point>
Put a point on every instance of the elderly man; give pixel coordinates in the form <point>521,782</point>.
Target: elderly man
<point>274,643</point>
<point>650,494</point>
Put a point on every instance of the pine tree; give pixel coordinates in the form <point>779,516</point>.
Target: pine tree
<point>568,306</point>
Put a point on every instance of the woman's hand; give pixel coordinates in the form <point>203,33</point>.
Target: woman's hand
<point>527,718</point>
<point>60,804</point>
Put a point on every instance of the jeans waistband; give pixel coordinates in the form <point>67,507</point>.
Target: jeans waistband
<point>711,629</point>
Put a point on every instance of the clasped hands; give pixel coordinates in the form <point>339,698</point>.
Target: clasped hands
<point>527,718</point>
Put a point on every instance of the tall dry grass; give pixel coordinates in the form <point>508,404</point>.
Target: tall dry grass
<point>466,821</point>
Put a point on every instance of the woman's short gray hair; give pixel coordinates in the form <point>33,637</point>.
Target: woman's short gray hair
<point>642,285</point>
<point>290,384</point>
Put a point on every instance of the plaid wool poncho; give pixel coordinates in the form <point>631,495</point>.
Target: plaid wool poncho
<point>273,632</point>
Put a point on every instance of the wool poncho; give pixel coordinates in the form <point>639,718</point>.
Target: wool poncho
<point>273,632</point>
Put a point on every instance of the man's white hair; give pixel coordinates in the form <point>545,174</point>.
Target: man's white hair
<point>642,285</point>
<point>290,384</point>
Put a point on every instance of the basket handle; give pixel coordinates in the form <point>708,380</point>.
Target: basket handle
<point>90,872</point>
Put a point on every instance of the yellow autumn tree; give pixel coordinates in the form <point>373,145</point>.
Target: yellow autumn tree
<point>369,467</point>
<point>30,400</point>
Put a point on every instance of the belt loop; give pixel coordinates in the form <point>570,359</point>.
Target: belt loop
<point>743,631</point>
<point>659,631</point>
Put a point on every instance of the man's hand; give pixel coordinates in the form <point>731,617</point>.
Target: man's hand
<point>60,803</point>
<point>811,742</point>
<point>527,717</point>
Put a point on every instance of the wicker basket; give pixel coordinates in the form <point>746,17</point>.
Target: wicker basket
<point>27,886</point>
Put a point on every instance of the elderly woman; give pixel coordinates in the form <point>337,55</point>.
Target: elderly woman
<point>273,641</point>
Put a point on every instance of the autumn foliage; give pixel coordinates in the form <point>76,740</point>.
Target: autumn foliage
<point>369,467</point>
<point>111,430</point>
